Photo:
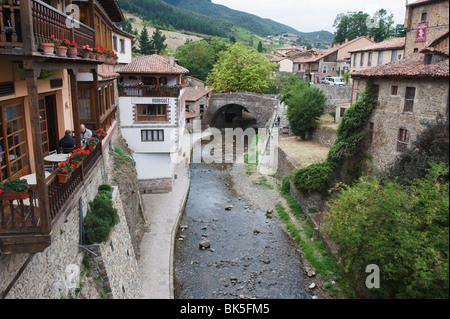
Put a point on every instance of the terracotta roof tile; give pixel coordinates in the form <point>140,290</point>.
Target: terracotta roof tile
<point>412,67</point>
<point>190,115</point>
<point>153,64</point>
<point>385,45</point>
<point>193,94</point>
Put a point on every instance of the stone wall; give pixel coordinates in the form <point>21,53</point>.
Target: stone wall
<point>335,95</point>
<point>285,166</point>
<point>324,135</point>
<point>310,202</point>
<point>389,116</point>
<point>156,185</point>
<point>44,275</point>
<point>116,261</point>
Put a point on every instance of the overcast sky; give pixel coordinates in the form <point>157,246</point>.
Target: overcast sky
<point>313,15</point>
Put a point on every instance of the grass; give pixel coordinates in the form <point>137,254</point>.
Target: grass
<point>263,181</point>
<point>119,157</point>
<point>315,250</point>
<point>252,163</point>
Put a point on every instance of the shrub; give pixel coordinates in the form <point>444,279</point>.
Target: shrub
<point>313,177</point>
<point>403,230</point>
<point>100,219</point>
<point>105,187</point>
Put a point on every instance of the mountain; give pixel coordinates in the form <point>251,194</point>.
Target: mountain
<point>205,17</point>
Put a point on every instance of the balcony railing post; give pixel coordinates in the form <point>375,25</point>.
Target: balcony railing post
<point>27,26</point>
<point>42,191</point>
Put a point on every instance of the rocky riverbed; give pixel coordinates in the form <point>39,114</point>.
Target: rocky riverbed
<point>230,245</point>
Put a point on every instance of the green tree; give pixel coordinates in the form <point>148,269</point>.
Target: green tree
<point>197,57</point>
<point>305,106</point>
<point>145,46</point>
<point>240,69</point>
<point>260,47</point>
<point>402,230</point>
<point>357,24</point>
<point>157,41</point>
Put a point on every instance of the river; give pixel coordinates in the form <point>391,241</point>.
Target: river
<point>250,255</point>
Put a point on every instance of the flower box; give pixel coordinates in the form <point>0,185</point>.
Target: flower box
<point>76,164</point>
<point>14,195</point>
<point>64,178</point>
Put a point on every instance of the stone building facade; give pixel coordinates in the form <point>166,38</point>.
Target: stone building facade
<point>427,17</point>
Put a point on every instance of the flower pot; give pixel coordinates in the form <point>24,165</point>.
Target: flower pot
<point>61,51</point>
<point>48,48</point>
<point>76,164</point>
<point>63,178</point>
<point>14,195</point>
<point>92,146</point>
<point>85,54</point>
<point>72,52</point>
<point>92,55</point>
<point>100,57</point>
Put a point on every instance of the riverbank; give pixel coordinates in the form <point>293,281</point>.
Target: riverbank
<point>263,193</point>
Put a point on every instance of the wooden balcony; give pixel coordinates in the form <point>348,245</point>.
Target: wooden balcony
<point>45,21</point>
<point>139,92</point>
<point>21,220</point>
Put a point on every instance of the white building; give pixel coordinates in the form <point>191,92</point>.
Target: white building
<point>121,42</point>
<point>152,117</point>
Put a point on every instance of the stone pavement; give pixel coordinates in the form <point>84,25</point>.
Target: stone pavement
<point>162,213</point>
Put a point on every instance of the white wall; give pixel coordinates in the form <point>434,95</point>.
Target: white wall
<point>123,57</point>
<point>286,65</point>
<point>150,166</point>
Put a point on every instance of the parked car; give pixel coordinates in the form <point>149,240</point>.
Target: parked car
<point>336,81</point>
<point>325,80</point>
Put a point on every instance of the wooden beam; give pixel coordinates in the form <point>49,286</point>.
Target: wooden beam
<point>33,104</point>
<point>75,109</point>
<point>98,111</point>
<point>26,17</point>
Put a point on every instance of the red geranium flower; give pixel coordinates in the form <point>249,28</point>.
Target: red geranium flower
<point>64,170</point>
<point>62,163</point>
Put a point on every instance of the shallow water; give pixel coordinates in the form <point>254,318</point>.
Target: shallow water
<point>250,255</point>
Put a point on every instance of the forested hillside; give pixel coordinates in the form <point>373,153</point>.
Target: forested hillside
<point>166,16</point>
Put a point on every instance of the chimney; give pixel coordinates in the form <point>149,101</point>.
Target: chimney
<point>373,39</point>
<point>346,40</point>
<point>171,60</point>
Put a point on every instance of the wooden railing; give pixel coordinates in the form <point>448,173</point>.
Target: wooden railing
<point>108,120</point>
<point>22,216</point>
<point>47,21</point>
<point>138,92</point>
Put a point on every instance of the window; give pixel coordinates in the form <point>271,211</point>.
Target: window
<point>371,131</point>
<point>394,90</point>
<point>409,99</point>
<point>380,58</point>
<point>115,43</point>
<point>355,58</point>
<point>163,80</point>
<point>122,46</point>
<point>402,140</point>
<point>416,50</point>
<point>13,145</point>
<point>394,56</point>
<point>424,16</point>
<point>342,111</point>
<point>84,103</point>
<point>369,61</point>
<point>152,135</point>
<point>149,80</point>
<point>428,59</point>
<point>361,63</point>
<point>151,112</point>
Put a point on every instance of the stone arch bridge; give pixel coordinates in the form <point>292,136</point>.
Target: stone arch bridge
<point>260,105</point>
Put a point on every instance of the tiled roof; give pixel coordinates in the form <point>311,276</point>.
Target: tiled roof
<point>422,2</point>
<point>443,51</point>
<point>394,43</point>
<point>193,94</point>
<point>153,64</point>
<point>190,115</point>
<point>107,75</point>
<point>412,67</point>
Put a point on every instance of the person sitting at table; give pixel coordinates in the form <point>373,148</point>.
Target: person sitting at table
<point>67,143</point>
<point>85,133</point>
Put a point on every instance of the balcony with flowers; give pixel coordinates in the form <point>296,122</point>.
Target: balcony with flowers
<point>151,90</point>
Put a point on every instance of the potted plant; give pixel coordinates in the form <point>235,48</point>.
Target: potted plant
<point>92,143</point>
<point>72,48</point>
<point>86,52</point>
<point>49,47</point>
<point>100,133</point>
<point>64,171</point>
<point>79,155</point>
<point>100,53</point>
<point>61,49</point>
<point>14,189</point>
